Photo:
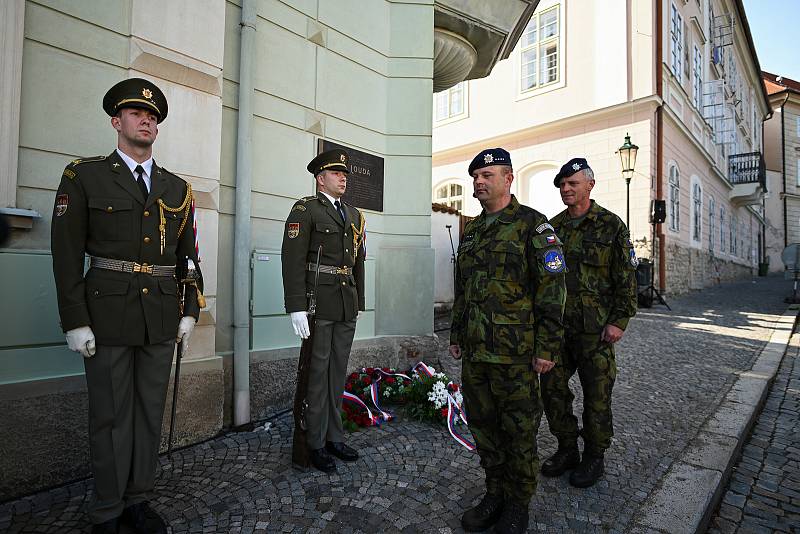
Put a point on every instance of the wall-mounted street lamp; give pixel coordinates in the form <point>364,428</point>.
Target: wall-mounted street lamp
<point>627,156</point>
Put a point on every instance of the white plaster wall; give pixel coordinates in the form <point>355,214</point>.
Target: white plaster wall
<point>440,242</point>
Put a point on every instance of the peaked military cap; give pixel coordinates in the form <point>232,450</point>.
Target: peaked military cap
<point>330,160</point>
<point>569,168</point>
<point>136,93</point>
<point>490,156</point>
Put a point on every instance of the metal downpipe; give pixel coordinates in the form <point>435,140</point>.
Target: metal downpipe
<point>241,229</point>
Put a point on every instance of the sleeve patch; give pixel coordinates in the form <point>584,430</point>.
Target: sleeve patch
<point>634,259</point>
<point>551,240</point>
<point>544,226</point>
<point>293,230</point>
<point>69,173</point>
<point>299,207</point>
<point>62,203</point>
<point>554,261</point>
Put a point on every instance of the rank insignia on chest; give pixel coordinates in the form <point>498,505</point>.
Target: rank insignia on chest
<point>293,230</point>
<point>634,259</point>
<point>553,261</point>
<point>62,203</point>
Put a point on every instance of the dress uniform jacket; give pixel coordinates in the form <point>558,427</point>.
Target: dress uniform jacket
<point>100,211</point>
<point>314,221</point>
<point>601,284</point>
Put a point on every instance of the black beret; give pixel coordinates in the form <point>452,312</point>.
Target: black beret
<point>490,156</point>
<point>331,160</point>
<point>569,168</point>
<point>136,93</point>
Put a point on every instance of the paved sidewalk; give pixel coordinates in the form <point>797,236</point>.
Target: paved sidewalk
<point>675,369</point>
<point>764,491</point>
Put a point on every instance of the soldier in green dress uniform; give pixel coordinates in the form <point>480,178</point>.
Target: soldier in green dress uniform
<point>134,220</point>
<point>326,221</point>
<point>506,324</point>
<point>601,299</point>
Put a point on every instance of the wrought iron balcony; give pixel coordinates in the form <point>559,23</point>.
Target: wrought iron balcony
<point>747,168</point>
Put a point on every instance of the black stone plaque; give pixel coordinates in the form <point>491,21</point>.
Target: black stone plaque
<point>365,181</point>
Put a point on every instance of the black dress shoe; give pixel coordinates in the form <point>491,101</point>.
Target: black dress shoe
<point>143,519</point>
<point>561,461</point>
<point>514,519</point>
<point>341,451</point>
<point>484,514</point>
<point>590,470</point>
<point>322,461</point>
<point>107,527</point>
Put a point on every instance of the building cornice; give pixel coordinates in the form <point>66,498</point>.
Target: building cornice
<point>650,102</point>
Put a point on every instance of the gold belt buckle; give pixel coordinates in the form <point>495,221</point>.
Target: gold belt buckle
<point>142,268</point>
<point>341,270</point>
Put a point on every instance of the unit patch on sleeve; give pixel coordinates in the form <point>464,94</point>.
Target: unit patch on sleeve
<point>299,207</point>
<point>551,239</point>
<point>62,203</point>
<point>553,261</point>
<point>634,259</point>
<point>69,173</point>
<point>293,230</point>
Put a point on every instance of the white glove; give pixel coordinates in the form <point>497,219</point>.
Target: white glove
<point>185,328</point>
<point>300,324</point>
<point>81,340</point>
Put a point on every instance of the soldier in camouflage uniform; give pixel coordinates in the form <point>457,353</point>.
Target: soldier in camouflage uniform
<point>601,299</point>
<point>509,300</point>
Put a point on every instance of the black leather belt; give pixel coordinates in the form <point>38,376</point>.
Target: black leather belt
<point>133,267</point>
<point>329,269</point>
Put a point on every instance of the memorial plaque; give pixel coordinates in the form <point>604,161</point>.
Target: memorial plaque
<point>365,181</point>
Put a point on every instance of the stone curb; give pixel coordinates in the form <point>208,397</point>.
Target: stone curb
<point>692,488</point>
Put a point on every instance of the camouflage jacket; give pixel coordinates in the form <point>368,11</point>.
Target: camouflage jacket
<point>510,293</point>
<point>601,282</point>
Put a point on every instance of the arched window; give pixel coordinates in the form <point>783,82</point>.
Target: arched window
<point>450,194</point>
<point>712,223</point>
<point>674,198</point>
<point>697,210</point>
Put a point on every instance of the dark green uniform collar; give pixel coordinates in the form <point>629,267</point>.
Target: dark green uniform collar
<point>507,214</point>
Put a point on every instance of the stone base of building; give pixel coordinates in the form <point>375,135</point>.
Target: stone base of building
<point>690,269</point>
<point>45,423</point>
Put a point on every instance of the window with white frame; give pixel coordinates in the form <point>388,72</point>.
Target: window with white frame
<point>722,236</point>
<point>539,50</point>
<point>451,103</point>
<point>798,171</point>
<point>697,210</point>
<point>674,198</point>
<point>450,194</point>
<point>676,48</point>
<point>732,233</point>
<point>712,223</point>
<point>697,77</point>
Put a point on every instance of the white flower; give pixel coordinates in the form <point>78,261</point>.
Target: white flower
<point>441,376</point>
<point>438,395</point>
<point>386,393</point>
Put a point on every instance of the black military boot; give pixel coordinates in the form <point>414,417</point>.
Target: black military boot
<point>484,514</point>
<point>563,460</point>
<point>143,519</point>
<point>514,519</point>
<point>588,472</point>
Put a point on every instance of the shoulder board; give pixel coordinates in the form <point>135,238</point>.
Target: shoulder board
<point>87,160</point>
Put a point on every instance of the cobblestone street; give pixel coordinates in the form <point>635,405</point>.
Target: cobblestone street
<point>764,491</point>
<point>674,369</point>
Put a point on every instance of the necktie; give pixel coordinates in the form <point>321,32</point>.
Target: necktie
<point>139,170</point>
<point>338,206</point>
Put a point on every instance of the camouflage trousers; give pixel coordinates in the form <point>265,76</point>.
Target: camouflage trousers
<point>503,407</point>
<point>594,360</point>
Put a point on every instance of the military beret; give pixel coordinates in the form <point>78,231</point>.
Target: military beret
<point>330,160</point>
<point>490,156</point>
<point>569,168</point>
<point>136,93</point>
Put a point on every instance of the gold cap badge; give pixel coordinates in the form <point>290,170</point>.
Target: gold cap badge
<point>147,93</point>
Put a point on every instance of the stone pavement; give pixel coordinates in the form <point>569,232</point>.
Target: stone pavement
<point>675,368</point>
<point>763,494</point>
